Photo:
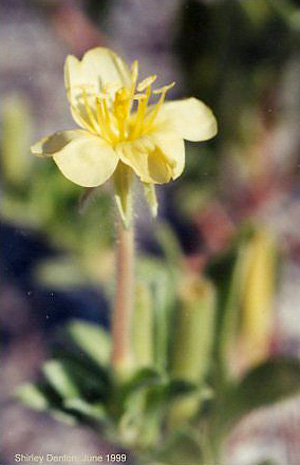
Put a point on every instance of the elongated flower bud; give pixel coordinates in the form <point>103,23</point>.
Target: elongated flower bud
<point>194,331</point>
<point>257,298</point>
<point>193,343</point>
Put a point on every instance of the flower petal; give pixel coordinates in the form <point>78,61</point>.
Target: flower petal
<point>48,146</point>
<point>155,158</point>
<point>83,158</point>
<point>172,146</point>
<point>135,154</point>
<point>98,67</point>
<point>192,119</point>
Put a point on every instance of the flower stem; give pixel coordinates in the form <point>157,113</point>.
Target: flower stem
<point>124,299</point>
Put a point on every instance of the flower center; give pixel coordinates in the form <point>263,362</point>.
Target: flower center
<point>111,115</point>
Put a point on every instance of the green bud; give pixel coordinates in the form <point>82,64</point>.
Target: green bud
<point>192,344</point>
<point>194,331</point>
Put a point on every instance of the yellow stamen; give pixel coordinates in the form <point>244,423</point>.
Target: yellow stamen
<point>146,83</point>
<point>162,91</point>
<point>83,122</point>
<point>101,117</point>
<point>140,116</point>
<point>139,97</point>
<point>88,109</point>
<point>110,88</point>
<point>134,77</point>
<point>104,119</point>
<point>121,103</point>
<point>134,74</point>
<point>122,109</point>
<point>106,110</point>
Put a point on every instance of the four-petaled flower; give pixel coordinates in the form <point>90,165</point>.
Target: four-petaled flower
<point>121,133</point>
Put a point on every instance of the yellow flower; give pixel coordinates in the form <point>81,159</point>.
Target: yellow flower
<point>121,133</point>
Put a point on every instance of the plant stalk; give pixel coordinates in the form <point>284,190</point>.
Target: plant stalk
<point>124,299</point>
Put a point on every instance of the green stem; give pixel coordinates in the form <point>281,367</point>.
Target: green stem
<point>124,299</point>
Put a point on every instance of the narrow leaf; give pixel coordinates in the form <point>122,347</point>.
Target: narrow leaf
<point>93,411</point>
<point>143,378</point>
<point>59,378</point>
<point>31,396</point>
<point>270,382</point>
<point>92,339</point>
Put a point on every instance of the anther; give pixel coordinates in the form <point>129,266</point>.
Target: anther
<point>164,89</point>
<point>134,72</point>
<point>146,83</point>
<point>139,97</point>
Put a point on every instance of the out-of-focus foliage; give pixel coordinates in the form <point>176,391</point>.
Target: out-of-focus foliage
<point>246,280</point>
<point>236,55</point>
<point>185,389</point>
<point>35,196</point>
<point>16,133</point>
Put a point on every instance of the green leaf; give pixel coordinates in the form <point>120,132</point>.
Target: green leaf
<point>92,339</point>
<point>270,382</point>
<point>143,378</point>
<point>178,388</point>
<point>182,388</point>
<point>42,397</point>
<point>72,377</point>
<point>182,449</point>
<point>143,414</point>
<point>140,401</point>
<point>95,411</point>
<point>31,396</point>
<point>58,376</point>
<point>186,399</point>
<point>63,417</point>
<point>82,362</point>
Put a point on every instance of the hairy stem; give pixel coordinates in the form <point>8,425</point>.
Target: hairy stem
<point>124,295</point>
